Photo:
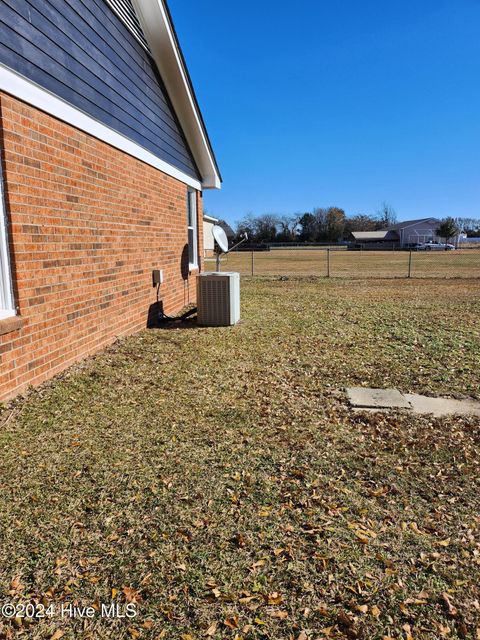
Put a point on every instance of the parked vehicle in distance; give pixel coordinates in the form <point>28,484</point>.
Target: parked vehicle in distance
<point>434,246</point>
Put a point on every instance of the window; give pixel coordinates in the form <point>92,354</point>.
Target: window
<point>7,308</point>
<point>192,229</point>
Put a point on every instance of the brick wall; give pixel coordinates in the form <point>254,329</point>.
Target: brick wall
<point>88,224</point>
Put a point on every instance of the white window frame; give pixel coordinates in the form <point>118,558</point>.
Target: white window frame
<point>7,305</point>
<point>192,218</point>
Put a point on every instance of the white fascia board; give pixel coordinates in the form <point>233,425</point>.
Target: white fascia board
<point>156,27</point>
<point>208,218</point>
<point>30,92</point>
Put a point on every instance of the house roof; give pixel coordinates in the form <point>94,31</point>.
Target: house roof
<point>410,223</point>
<point>208,218</point>
<point>372,235</point>
<point>157,26</point>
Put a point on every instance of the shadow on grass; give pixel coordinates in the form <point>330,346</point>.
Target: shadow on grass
<point>157,319</point>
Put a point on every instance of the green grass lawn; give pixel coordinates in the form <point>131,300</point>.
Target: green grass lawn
<point>216,478</point>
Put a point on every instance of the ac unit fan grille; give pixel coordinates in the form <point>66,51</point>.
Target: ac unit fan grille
<point>218,299</point>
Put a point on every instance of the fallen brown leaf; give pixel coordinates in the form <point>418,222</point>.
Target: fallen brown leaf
<point>280,615</point>
<point>131,595</point>
<point>231,622</point>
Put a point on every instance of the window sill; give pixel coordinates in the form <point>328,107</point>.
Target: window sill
<point>7,325</point>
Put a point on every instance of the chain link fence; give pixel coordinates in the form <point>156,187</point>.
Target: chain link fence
<point>339,263</point>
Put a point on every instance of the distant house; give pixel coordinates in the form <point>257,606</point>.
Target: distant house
<point>104,159</point>
<point>208,241</point>
<point>375,239</point>
<point>421,230</point>
<point>400,235</point>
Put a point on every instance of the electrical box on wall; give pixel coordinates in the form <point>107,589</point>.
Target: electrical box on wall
<point>157,277</point>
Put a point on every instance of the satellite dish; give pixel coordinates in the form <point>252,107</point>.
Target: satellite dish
<point>222,241</point>
<point>221,238</point>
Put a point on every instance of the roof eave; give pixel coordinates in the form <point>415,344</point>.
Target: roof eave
<point>410,223</point>
<point>160,34</point>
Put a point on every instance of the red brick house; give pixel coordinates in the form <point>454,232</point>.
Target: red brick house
<point>104,156</point>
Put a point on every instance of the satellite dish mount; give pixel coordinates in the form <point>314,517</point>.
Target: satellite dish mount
<point>221,240</point>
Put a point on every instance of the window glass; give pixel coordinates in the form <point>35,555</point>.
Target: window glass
<point>192,228</point>
<point>6,298</point>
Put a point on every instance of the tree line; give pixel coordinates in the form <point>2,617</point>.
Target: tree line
<point>329,224</point>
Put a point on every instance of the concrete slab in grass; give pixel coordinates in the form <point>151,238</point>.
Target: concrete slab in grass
<point>443,406</point>
<point>377,398</point>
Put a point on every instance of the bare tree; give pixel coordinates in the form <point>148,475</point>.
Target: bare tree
<point>320,214</point>
<point>360,222</point>
<point>267,227</point>
<point>386,216</point>
<point>335,224</point>
<point>470,226</point>
<point>262,228</point>
<point>330,223</point>
<point>246,225</point>
<point>288,227</point>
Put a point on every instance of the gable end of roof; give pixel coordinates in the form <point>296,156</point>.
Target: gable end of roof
<point>156,23</point>
<point>411,223</point>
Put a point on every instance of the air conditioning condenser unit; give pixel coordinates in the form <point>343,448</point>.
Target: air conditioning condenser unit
<point>218,298</point>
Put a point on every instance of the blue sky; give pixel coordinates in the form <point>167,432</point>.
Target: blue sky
<point>314,103</point>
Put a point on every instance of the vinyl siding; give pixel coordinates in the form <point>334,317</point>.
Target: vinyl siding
<point>82,52</point>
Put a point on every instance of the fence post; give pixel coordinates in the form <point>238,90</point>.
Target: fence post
<point>410,264</point>
<point>253,264</point>
<point>328,262</point>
